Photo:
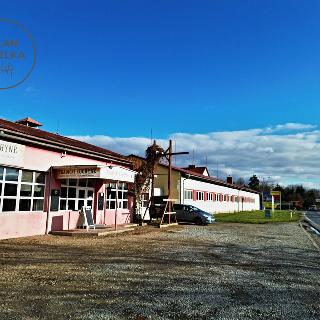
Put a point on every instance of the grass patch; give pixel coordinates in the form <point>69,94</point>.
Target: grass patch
<point>258,217</point>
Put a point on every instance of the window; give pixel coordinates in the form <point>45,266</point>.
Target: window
<point>76,193</point>
<point>200,195</point>
<point>144,200</point>
<point>122,196</point>
<point>210,196</point>
<point>21,190</point>
<point>188,194</point>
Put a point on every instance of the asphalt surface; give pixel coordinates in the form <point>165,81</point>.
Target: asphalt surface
<point>224,272</point>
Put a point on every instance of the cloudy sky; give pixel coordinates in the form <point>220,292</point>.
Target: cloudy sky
<point>236,83</point>
<point>286,153</point>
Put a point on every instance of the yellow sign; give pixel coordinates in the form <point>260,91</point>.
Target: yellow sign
<point>275,193</point>
<point>267,205</point>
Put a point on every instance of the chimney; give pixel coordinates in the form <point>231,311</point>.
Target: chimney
<point>29,122</point>
<point>191,166</point>
<point>229,179</point>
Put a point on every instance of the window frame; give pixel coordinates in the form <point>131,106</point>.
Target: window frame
<point>188,194</point>
<point>65,183</point>
<point>200,196</point>
<point>123,201</point>
<point>19,183</point>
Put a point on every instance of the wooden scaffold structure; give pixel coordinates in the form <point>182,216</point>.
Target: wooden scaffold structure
<point>168,212</point>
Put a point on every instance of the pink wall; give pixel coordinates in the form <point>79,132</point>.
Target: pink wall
<point>22,224</point>
<point>42,160</point>
<point>123,217</point>
<point>63,220</point>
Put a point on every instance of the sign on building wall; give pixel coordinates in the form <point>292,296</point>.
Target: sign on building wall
<point>11,154</point>
<point>76,173</point>
<point>110,172</point>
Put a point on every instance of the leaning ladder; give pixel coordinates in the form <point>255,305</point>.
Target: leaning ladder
<point>169,203</point>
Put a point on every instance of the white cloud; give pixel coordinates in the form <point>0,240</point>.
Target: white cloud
<point>288,153</point>
<point>291,127</point>
<point>30,91</point>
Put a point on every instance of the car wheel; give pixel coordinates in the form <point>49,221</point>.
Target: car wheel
<point>198,221</point>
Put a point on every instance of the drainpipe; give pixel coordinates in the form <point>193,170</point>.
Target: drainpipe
<point>49,200</point>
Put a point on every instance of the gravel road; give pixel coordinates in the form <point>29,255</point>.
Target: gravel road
<point>223,271</point>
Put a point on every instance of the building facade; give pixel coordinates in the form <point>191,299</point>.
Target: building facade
<point>46,178</point>
<point>194,186</point>
<point>191,186</point>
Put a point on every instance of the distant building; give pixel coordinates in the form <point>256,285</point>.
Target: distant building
<point>194,186</point>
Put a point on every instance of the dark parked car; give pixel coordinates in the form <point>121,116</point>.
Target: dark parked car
<point>188,213</point>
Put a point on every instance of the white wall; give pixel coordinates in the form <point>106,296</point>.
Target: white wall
<point>217,206</point>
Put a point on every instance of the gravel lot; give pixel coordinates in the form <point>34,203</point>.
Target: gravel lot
<point>224,271</point>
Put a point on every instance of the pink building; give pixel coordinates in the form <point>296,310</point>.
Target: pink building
<point>46,178</point>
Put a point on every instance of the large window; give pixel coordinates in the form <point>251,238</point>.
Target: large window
<point>210,196</point>
<point>76,193</point>
<point>21,190</point>
<point>122,196</point>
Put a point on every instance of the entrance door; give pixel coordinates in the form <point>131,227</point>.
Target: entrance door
<point>81,197</point>
<point>90,198</point>
<point>85,197</point>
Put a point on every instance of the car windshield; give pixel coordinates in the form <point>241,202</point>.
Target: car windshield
<point>192,208</point>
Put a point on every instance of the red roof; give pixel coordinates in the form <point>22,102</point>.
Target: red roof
<point>36,136</point>
<point>214,180</point>
<point>200,170</point>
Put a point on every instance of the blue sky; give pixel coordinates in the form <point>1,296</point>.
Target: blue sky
<point>122,68</point>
